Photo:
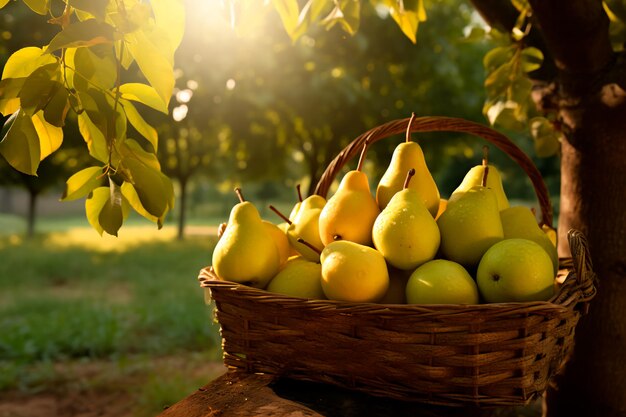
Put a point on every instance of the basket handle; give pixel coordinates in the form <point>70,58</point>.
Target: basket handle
<point>447,124</point>
<point>585,277</point>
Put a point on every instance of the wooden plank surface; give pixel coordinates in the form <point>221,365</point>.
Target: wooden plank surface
<point>250,395</point>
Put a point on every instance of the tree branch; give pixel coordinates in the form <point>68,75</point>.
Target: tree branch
<point>503,16</point>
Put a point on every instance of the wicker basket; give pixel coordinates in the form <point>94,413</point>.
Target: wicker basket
<point>454,355</point>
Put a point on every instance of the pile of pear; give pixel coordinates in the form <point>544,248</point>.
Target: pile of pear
<point>401,244</point>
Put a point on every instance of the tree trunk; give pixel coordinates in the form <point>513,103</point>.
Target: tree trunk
<point>593,193</point>
<point>32,212</point>
<point>183,209</point>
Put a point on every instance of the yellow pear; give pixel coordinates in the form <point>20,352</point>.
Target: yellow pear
<point>306,226</point>
<point>350,213</point>
<point>246,252</point>
<point>299,278</point>
<point>280,239</point>
<point>469,226</point>
<point>519,222</point>
<point>408,155</point>
<point>396,293</point>
<point>353,272</point>
<point>474,177</point>
<point>405,231</point>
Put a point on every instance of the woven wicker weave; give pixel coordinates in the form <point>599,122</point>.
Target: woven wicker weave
<point>455,355</point>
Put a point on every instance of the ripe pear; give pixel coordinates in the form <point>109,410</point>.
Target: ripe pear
<point>474,177</point>
<point>405,231</point>
<point>306,226</point>
<point>408,155</point>
<point>353,272</point>
<point>246,252</point>
<point>350,213</point>
<point>441,282</point>
<point>280,239</point>
<point>299,278</point>
<point>469,226</point>
<point>519,222</point>
<point>443,204</point>
<point>396,293</point>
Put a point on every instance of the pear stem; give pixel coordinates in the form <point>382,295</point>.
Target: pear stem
<point>279,214</point>
<point>362,156</point>
<point>408,128</point>
<point>485,173</point>
<point>299,193</point>
<point>239,194</point>
<point>307,244</point>
<point>409,175</point>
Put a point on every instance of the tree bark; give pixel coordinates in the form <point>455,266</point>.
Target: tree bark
<point>32,211</point>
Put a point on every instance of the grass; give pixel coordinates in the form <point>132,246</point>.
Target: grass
<point>70,295</point>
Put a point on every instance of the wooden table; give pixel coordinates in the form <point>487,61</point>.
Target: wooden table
<point>252,395</point>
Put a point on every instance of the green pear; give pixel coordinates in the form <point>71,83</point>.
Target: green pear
<point>405,232</point>
<point>475,176</point>
<point>246,252</point>
<point>306,226</point>
<point>299,278</point>
<point>520,222</point>
<point>350,213</point>
<point>441,282</point>
<point>353,272</point>
<point>469,226</point>
<point>408,155</point>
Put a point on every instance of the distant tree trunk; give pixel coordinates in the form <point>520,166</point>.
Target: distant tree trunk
<point>6,200</point>
<point>586,91</point>
<point>31,214</point>
<point>182,216</point>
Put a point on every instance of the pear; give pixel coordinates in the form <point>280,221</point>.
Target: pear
<point>519,222</point>
<point>353,272</point>
<point>405,231</point>
<point>443,203</point>
<point>280,239</point>
<point>408,155</point>
<point>470,225</point>
<point>306,226</point>
<point>246,252</point>
<point>350,213</point>
<point>474,177</point>
<point>299,278</point>
<point>396,293</point>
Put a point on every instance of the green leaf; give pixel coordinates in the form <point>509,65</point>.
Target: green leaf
<point>50,137</point>
<point>93,206</point>
<point>39,88</point>
<point>498,56</point>
<point>93,66</point>
<point>531,59</point>
<point>38,6</point>
<point>169,15</point>
<point>82,183</point>
<point>130,194</point>
<point>140,124</point>
<point>20,145</point>
<point>156,66</point>
<point>131,149</point>
<point>309,14</point>
<point>150,187</point>
<point>9,91</point>
<point>347,13</point>
<point>498,81</point>
<point>96,8</point>
<point>546,138</point>
<point>104,209</point>
<point>96,143</point>
<point>289,12</point>
<point>408,20</point>
<point>24,61</point>
<point>80,34</point>
<point>58,106</point>
<point>143,94</point>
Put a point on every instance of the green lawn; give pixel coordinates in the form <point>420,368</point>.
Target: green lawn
<point>71,296</point>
